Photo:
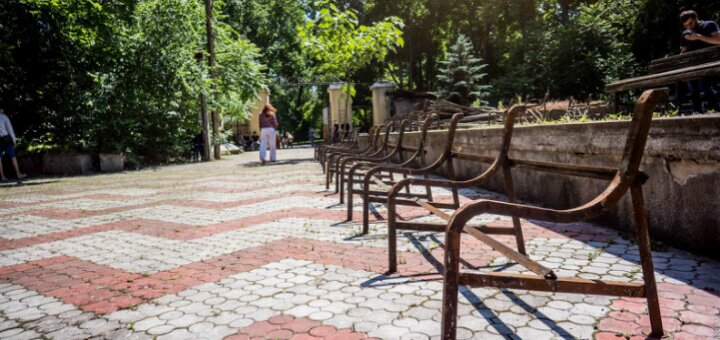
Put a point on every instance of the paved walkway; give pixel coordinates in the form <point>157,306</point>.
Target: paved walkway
<point>232,249</point>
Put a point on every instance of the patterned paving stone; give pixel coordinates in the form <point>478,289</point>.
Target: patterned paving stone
<point>247,252</point>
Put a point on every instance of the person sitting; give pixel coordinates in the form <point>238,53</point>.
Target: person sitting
<point>699,34</point>
<point>289,139</point>
<point>255,141</point>
<point>346,133</point>
<point>247,142</point>
<point>335,133</point>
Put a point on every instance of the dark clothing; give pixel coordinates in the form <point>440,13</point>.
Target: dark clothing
<point>704,27</point>
<point>268,121</point>
<point>701,86</point>
<point>198,144</point>
<point>7,148</point>
<point>704,86</point>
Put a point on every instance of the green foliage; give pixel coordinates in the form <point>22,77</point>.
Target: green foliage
<point>272,26</point>
<point>118,75</point>
<point>461,75</point>
<point>340,46</point>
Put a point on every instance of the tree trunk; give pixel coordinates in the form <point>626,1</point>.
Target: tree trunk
<point>211,63</point>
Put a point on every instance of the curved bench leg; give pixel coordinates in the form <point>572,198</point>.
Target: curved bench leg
<point>350,184</point>
<point>392,237</point>
<point>451,282</point>
<point>643,240</point>
<point>510,192</point>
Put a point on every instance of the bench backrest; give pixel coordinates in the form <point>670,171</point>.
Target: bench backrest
<point>694,58</point>
<point>509,123</point>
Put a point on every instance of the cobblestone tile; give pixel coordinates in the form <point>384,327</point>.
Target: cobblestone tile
<point>244,251</point>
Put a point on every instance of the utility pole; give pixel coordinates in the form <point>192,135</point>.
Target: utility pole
<point>211,63</point>
<point>204,119</point>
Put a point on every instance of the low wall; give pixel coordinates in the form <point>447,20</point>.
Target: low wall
<point>682,158</point>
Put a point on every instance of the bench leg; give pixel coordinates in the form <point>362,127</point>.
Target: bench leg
<point>341,184</point>
<point>451,176</point>
<point>336,173</point>
<point>428,190</point>
<point>350,184</point>
<point>366,208</point>
<point>643,240</point>
<point>392,236</point>
<point>451,280</point>
<point>328,176</point>
<point>510,192</point>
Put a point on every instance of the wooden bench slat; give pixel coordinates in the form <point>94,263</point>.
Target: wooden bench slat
<point>666,78</point>
<point>687,59</point>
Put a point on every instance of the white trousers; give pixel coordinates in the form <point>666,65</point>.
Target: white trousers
<point>267,135</point>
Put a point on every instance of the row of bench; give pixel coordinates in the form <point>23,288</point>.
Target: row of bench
<point>387,173</point>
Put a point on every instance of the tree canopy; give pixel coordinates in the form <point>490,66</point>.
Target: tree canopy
<point>124,76</point>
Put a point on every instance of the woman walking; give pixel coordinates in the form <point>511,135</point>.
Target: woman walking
<point>268,128</point>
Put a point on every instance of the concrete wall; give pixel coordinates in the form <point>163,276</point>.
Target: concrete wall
<point>682,158</point>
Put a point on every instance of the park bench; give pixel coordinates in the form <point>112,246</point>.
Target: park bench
<point>418,157</point>
<point>379,147</point>
<point>446,158</point>
<point>703,63</point>
<point>334,151</point>
<point>393,151</point>
<point>625,177</point>
<point>349,146</point>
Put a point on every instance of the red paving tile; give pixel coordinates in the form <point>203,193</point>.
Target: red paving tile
<point>102,289</point>
<point>688,312</point>
<point>289,327</point>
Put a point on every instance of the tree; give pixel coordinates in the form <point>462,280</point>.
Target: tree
<point>298,106</point>
<point>460,76</point>
<point>118,75</point>
<point>340,46</point>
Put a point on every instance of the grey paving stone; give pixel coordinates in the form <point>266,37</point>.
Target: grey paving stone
<point>10,332</point>
<point>178,334</point>
<point>27,335</point>
<point>365,326</point>
<point>145,324</point>
<point>69,333</point>
<point>389,332</point>
<point>184,321</point>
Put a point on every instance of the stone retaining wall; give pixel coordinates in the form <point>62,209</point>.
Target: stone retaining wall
<point>682,159</point>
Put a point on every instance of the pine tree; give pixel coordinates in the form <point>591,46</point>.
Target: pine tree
<point>460,76</point>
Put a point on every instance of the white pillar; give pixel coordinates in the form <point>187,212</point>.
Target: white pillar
<point>340,105</point>
<point>380,103</point>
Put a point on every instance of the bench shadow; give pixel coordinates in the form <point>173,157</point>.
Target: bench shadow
<point>26,183</point>
<point>483,310</point>
<point>627,253</point>
<point>291,161</point>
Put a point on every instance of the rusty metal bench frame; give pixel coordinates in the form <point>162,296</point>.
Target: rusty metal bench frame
<point>626,177</point>
<point>418,156</point>
<point>497,163</point>
<point>322,151</point>
<point>381,196</point>
<point>395,151</point>
<point>378,145</point>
